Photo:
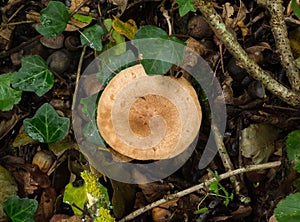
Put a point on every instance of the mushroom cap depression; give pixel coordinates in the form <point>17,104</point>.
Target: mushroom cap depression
<point>148,117</point>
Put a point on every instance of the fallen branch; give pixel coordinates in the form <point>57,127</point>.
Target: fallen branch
<point>198,187</point>
<point>282,41</point>
<point>216,23</point>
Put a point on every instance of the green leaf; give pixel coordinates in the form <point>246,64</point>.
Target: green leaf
<point>293,144</point>
<point>161,47</point>
<point>92,37</point>
<point>296,8</point>
<point>117,38</point>
<point>90,130</point>
<point>34,76</point>
<point>8,186</point>
<point>8,95</point>
<point>83,18</point>
<point>185,6</point>
<point>288,209</point>
<point>75,196</point>
<point>46,126</point>
<point>20,209</point>
<point>54,19</point>
<point>214,186</point>
<point>201,210</point>
<point>110,65</point>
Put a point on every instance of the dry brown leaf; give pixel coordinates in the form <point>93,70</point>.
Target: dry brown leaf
<point>46,205</point>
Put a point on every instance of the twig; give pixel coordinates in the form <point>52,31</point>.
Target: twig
<point>78,76</point>
<point>282,41</point>
<point>198,187</point>
<point>227,162</point>
<point>216,23</point>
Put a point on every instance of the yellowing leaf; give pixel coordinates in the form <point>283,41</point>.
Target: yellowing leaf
<point>127,29</point>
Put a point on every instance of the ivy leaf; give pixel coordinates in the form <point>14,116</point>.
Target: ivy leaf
<point>160,47</point>
<point>293,145</point>
<point>75,196</point>
<point>288,209</point>
<point>8,95</point>
<point>110,65</point>
<point>185,6</point>
<point>92,37</point>
<point>90,130</point>
<point>296,8</point>
<point>54,19</point>
<point>46,126</point>
<point>20,209</point>
<point>34,76</point>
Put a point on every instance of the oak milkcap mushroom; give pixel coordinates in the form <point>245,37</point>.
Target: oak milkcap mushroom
<point>148,117</point>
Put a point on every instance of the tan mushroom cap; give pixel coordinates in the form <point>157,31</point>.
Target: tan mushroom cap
<point>148,117</point>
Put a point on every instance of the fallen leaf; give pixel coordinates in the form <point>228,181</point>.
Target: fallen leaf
<point>45,208</point>
<point>8,187</point>
<point>127,29</point>
<point>257,142</point>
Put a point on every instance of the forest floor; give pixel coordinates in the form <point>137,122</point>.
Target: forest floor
<point>258,122</point>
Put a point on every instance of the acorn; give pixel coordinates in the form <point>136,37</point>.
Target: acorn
<point>72,43</point>
<point>198,27</point>
<point>43,160</point>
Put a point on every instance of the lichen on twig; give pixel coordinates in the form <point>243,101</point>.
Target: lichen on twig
<point>216,23</point>
<point>279,30</point>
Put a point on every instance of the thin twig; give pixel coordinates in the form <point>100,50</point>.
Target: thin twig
<point>227,162</point>
<point>280,33</point>
<point>198,187</point>
<point>216,23</point>
<point>78,76</point>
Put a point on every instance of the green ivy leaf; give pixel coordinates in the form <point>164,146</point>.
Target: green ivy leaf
<point>47,126</point>
<point>293,144</point>
<point>34,76</point>
<point>185,6</point>
<point>110,65</point>
<point>8,95</point>
<point>288,209</point>
<point>158,49</point>
<point>90,130</point>
<point>296,8</point>
<point>75,196</point>
<point>92,37</point>
<point>54,19</point>
<point>20,209</point>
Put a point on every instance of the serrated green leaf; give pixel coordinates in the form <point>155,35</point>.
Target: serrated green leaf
<point>296,8</point>
<point>8,96</point>
<point>293,144</point>
<point>34,76</point>
<point>46,126</point>
<point>288,209</point>
<point>111,64</point>
<point>185,6</point>
<point>54,19</point>
<point>75,196</point>
<point>83,18</point>
<point>90,129</point>
<point>92,37</point>
<point>20,209</point>
<point>160,47</point>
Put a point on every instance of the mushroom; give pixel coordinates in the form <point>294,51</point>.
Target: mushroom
<point>148,117</point>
